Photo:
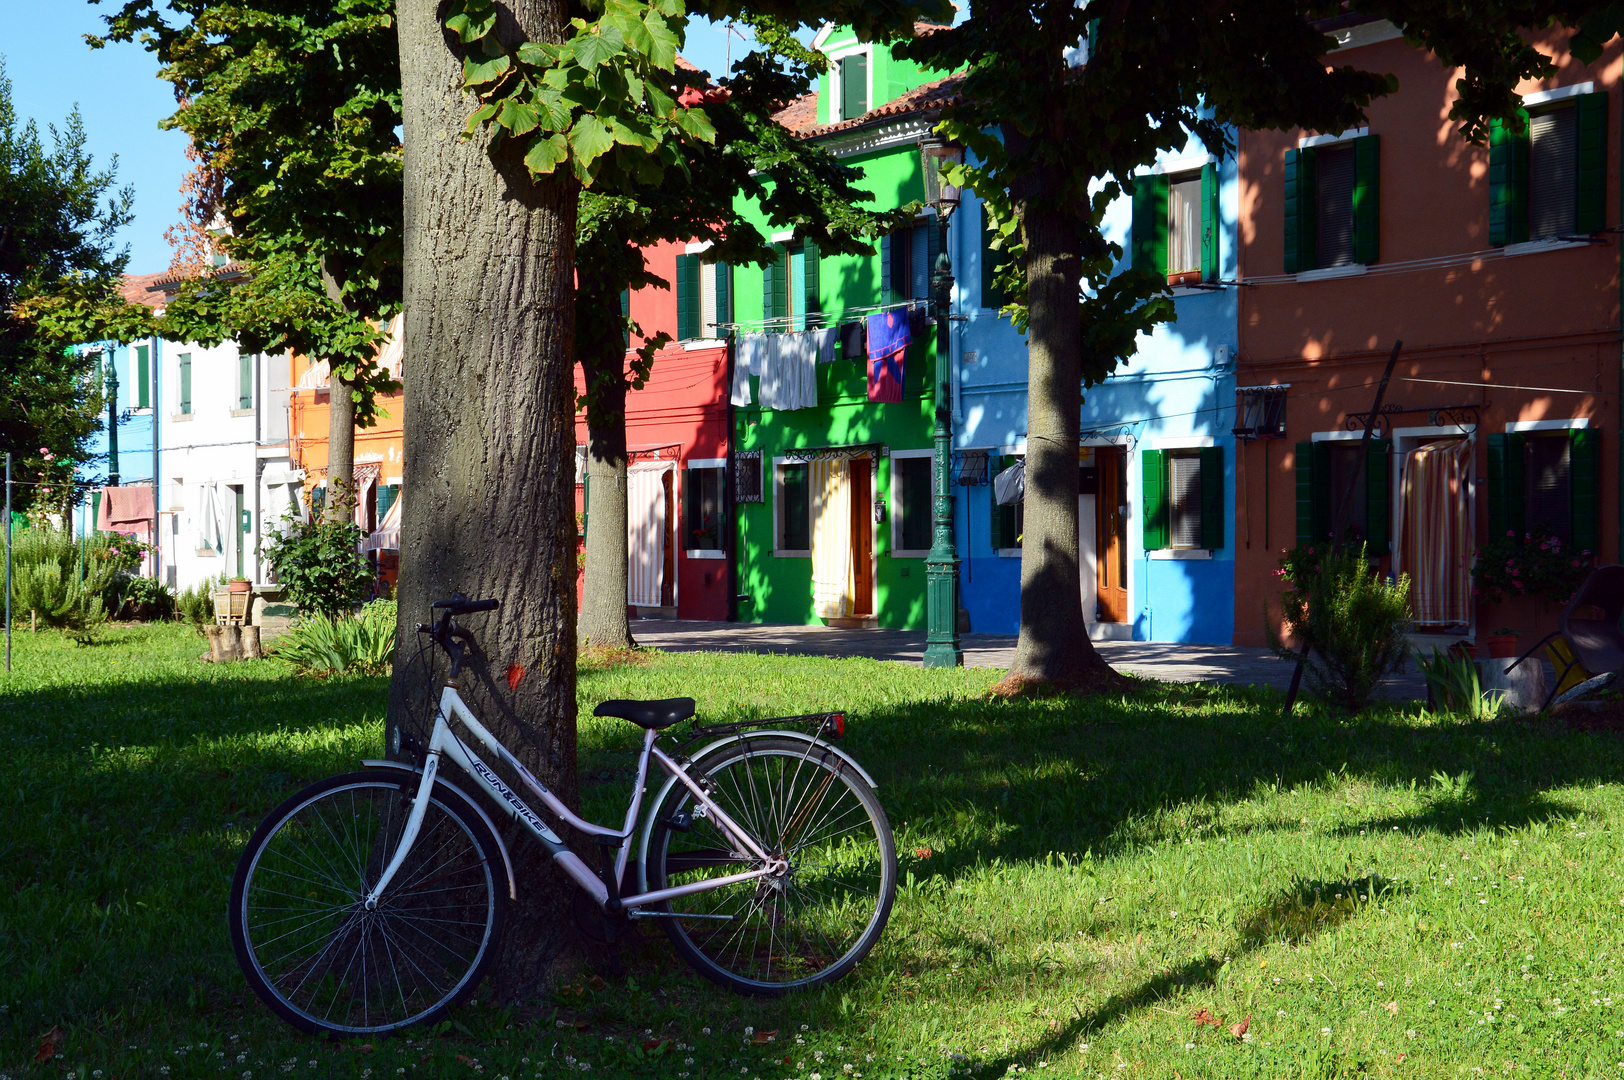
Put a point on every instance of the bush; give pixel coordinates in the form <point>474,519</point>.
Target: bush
<point>1457,688</point>
<point>323,645</point>
<point>147,598</point>
<point>1352,620</point>
<point>320,563</point>
<point>196,604</point>
<point>70,583</point>
<point>1534,565</point>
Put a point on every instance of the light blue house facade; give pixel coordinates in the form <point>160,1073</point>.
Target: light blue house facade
<point>136,366</point>
<point>1156,460</point>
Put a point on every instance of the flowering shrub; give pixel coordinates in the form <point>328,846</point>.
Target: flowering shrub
<point>1533,565</point>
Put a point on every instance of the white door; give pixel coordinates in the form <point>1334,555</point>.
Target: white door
<point>645,532</point>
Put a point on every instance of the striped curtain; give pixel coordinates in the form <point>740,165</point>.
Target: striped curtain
<point>645,533</point>
<point>1435,537</point>
<point>832,586</point>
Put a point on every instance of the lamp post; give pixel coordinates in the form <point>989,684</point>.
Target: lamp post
<point>111,382</point>
<point>942,564</point>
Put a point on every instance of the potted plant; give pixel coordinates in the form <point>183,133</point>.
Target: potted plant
<point>1503,644</point>
<point>239,585</point>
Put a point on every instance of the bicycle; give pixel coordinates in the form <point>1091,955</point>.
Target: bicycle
<point>375,900</point>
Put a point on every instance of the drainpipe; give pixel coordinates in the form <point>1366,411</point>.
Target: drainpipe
<point>728,501</point>
<point>157,518</point>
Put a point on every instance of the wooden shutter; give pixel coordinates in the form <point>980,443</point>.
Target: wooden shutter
<point>1150,223</point>
<point>1590,179</point>
<point>143,377</point>
<point>780,305</point>
<point>1153,477</point>
<point>853,86</point>
<point>885,269</point>
<point>1508,183</point>
<point>1584,488</point>
<point>901,267</point>
<point>991,295</point>
<point>1506,510</point>
<point>1301,210</point>
<point>687,297</point>
<point>245,380</point>
<point>1212,497</point>
<point>1209,222</point>
<point>1378,497</point>
<point>813,259</point>
<point>1366,201</point>
<point>586,501</point>
<point>626,315</point>
<point>1093,37</point>
<point>185,360</point>
<point>1497,485</point>
<point>1305,494</point>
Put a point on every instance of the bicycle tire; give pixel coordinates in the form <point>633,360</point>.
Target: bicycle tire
<point>823,914</point>
<point>420,952</point>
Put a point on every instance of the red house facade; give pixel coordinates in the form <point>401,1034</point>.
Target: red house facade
<point>678,535</point>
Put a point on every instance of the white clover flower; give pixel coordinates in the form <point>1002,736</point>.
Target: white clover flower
<point>704,1031</point>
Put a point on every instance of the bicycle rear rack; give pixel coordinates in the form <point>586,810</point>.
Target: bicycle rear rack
<point>832,724</point>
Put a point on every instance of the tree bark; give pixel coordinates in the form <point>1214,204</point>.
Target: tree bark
<point>604,618</point>
<point>340,502</point>
<point>1054,647</point>
<point>489,442</point>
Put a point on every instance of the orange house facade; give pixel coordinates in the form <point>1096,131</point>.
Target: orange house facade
<point>1497,269</point>
<point>680,535</point>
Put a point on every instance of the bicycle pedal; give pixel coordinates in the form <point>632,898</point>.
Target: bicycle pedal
<point>681,821</point>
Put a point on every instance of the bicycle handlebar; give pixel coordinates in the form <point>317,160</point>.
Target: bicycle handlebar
<point>461,605</point>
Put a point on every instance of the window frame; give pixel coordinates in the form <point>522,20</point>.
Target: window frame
<point>1183,453</point>
<point>899,505</point>
<point>718,466</point>
<point>779,552</point>
<point>837,103</point>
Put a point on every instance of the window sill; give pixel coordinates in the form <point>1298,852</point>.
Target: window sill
<point>141,410</point>
<point>242,412</point>
<point>1009,553</point>
<point>705,553</point>
<point>180,418</point>
<point>790,553</point>
<point>703,343</point>
<point>910,553</point>
<point>1179,554</point>
<point>1196,290</point>
<point>1534,247</point>
<point>1351,270</point>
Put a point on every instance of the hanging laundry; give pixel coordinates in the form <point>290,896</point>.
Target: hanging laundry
<point>825,340</point>
<point>788,375</point>
<point>747,356</point>
<point>888,341</point>
<point>854,342</point>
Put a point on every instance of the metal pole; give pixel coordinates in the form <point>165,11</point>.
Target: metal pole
<point>942,565</point>
<point>157,540</point>
<point>8,560</point>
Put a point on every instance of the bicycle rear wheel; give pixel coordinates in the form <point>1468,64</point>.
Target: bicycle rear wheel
<point>808,924</point>
<point>311,950</point>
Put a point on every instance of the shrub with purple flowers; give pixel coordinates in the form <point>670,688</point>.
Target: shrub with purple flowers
<point>1537,563</point>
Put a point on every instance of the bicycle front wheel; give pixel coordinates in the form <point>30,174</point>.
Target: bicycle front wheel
<point>811,921</point>
<point>304,938</point>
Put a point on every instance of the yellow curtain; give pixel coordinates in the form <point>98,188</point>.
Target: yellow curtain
<point>1436,531</point>
<point>832,590</point>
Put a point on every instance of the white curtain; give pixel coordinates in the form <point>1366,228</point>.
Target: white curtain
<point>832,585</point>
<point>645,532</point>
<point>1435,531</point>
<point>210,531</point>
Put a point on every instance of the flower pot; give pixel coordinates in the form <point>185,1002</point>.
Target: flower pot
<point>1502,646</point>
<point>239,585</point>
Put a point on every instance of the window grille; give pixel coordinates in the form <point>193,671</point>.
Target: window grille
<point>1261,412</point>
<point>747,476</point>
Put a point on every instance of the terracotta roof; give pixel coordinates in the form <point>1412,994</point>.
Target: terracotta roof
<point>167,283</point>
<point>799,115</point>
<point>143,289</point>
<point>931,97</point>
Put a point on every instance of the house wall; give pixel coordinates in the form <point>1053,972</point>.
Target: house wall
<point>889,76</point>
<point>1486,318</point>
<point>135,434</point>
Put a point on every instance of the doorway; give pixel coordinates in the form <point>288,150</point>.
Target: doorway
<point>240,524</point>
<point>862,537</point>
<point>1435,534</point>
<point>1111,534</point>
<point>650,581</point>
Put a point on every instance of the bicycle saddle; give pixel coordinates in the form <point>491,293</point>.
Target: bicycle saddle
<point>649,714</point>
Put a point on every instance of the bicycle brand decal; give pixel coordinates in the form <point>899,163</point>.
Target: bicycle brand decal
<point>513,800</point>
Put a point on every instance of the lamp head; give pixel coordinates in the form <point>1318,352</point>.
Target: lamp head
<point>937,154</point>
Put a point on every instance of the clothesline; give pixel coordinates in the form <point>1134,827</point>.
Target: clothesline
<point>866,309</point>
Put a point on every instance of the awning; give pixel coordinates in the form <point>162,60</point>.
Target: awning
<point>386,537</point>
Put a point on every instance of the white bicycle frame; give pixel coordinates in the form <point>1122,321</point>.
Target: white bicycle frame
<point>444,741</point>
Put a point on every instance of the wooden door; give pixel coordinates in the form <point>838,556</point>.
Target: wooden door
<point>862,536</point>
<point>1111,534</point>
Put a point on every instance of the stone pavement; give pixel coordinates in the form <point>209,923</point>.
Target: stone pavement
<point>1160,660</point>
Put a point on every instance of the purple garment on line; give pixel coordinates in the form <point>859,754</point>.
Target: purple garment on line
<point>888,341</point>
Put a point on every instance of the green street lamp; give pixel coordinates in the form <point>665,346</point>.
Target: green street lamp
<point>110,381</point>
<point>942,564</point>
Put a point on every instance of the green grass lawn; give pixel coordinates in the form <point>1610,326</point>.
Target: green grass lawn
<point>1395,895</point>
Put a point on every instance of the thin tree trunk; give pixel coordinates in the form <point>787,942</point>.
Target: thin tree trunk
<point>489,441</point>
<point>601,344</point>
<point>340,504</point>
<point>1053,648</point>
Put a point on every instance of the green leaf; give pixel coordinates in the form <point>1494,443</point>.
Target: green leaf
<point>545,154</point>
<point>662,53</point>
<point>518,117</point>
<point>478,74</point>
<point>590,139</point>
<point>696,124</point>
<point>482,114</point>
<point>554,114</point>
<point>539,54</point>
<point>593,50</point>
<point>660,103</point>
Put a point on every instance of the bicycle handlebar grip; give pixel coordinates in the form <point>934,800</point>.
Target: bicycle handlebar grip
<point>461,605</point>
<point>482,605</point>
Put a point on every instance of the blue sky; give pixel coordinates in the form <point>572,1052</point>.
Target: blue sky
<point>122,101</point>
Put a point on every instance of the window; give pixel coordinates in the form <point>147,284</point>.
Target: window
<point>143,376</point>
<point>1546,482</point>
<point>1175,225</point>
<point>1331,204</point>
<point>1183,496</point>
<point>747,476</point>
<point>1547,176</point>
<point>789,285</point>
<point>1261,412</point>
<point>387,494</point>
<point>912,502</point>
<point>177,494</point>
<point>1325,471</point>
<point>184,361</point>
<point>1008,520</point>
<point>704,297</point>
<point>852,73</point>
<point>906,259</point>
<point>794,509</point>
<point>245,380</point>
<point>702,509</point>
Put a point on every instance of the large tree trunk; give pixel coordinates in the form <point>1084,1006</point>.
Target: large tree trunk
<point>340,504</point>
<point>1054,648</point>
<point>489,440</point>
<point>604,620</point>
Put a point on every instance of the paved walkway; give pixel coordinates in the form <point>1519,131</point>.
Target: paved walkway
<point>1174,663</point>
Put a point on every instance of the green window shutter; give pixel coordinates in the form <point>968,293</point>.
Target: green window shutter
<point>1093,37</point>
<point>687,297</point>
<point>853,86</point>
<point>1321,494</point>
<point>1301,207</point>
<point>724,293</point>
<point>185,361</point>
<point>813,261</point>
<point>1153,476</point>
<point>1313,496</point>
<point>1516,469</point>
<point>768,273</point>
<point>245,380</point>
<point>586,500</point>
<point>1508,183</point>
<point>991,295</point>
<point>1378,496</point>
<point>1212,497</point>
<point>143,377</point>
<point>1150,223</point>
<point>1209,222</point>
<point>1584,488</point>
<point>689,506</point>
<point>780,303</point>
<point>885,269</point>
<point>1497,486</point>
<point>1366,201</point>
<point>1590,178</point>
<point>899,272</point>
<point>626,313</point>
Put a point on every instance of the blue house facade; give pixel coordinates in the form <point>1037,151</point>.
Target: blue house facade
<point>136,367</point>
<point>1156,454</point>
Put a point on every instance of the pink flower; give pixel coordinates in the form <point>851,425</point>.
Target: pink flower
<point>45,449</point>
<point>1511,532</point>
<point>1575,562</point>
